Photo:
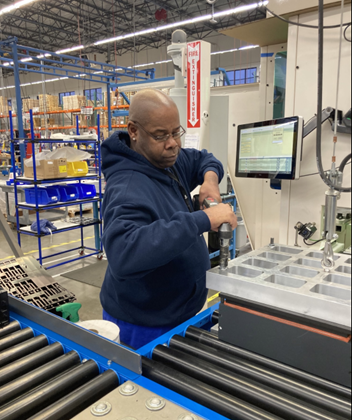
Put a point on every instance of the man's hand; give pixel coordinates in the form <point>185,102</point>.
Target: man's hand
<point>222,213</point>
<point>210,188</point>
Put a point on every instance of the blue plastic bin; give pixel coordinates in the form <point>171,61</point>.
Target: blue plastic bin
<point>86,191</point>
<point>68,192</point>
<point>46,195</point>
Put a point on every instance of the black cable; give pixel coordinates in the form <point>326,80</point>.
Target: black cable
<point>317,173</point>
<point>313,243</point>
<point>345,31</point>
<point>307,26</point>
<point>344,162</point>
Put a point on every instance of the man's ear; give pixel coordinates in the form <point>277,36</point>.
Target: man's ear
<point>132,129</point>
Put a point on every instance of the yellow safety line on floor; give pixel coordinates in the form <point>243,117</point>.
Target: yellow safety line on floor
<point>49,247</point>
<point>213,297</point>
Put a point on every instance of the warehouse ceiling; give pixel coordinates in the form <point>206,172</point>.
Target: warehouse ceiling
<point>57,24</point>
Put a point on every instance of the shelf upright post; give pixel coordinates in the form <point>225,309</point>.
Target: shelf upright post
<point>97,214</point>
<point>13,158</point>
<point>16,74</point>
<point>77,125</point>
<point>109,108</point>
<point>36,188</point>
<point>13,164</point>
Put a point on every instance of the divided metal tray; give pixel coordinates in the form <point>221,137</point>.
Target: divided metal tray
<point>290,278</point>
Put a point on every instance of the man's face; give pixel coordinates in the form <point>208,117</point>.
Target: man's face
<point>162,154</point>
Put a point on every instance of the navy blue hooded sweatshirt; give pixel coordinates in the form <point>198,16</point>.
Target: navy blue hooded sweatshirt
<point>156,252</point>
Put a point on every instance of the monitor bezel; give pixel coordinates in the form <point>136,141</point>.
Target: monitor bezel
<point>295,172</point>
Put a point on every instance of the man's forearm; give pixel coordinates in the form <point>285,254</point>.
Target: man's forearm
<point>211,177</point>
<point>210,187</point>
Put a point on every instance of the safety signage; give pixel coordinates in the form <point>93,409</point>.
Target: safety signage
<point>193,84</point>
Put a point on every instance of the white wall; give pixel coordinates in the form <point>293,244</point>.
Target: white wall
<point>282,7</point>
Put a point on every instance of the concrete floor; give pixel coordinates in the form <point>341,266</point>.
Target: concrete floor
<point>87,295</point>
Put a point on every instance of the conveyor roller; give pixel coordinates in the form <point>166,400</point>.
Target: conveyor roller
<point>26,364</point>
<point>38,377</point>
<point>261,375</point>
<point>204,337</point>
<point>267,398</point>
<point>218,401</point>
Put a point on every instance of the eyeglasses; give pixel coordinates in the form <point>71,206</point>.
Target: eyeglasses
<point>165,137</point>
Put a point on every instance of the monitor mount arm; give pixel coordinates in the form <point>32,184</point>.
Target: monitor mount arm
<point>311,125</point>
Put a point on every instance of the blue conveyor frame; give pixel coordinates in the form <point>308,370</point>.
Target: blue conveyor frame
<point>202,320</point>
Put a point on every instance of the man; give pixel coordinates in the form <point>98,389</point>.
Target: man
<point>153,239</point>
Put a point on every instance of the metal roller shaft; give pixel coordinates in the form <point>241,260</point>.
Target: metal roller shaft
<point>10,328</point>
<point>259,395</point>
<point>15,338</point>
<point>18,368</point>
<point>206,395</point>
<point>215,317</point>
<point>49,392</point>
<point>208,339</point>
<point>260,375</point>
<point>80,399</point>
<point>38,376</point>
<point>22,349</point>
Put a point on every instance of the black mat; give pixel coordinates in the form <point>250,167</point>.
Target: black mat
<point>92,274</point>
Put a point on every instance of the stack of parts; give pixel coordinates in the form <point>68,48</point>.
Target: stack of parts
<point>104,119</point>
<point>114,101</point>
<point>48,121</point>
<point>30,104</point>
<point>4,308</point>
<point>4,107</point>
<point>36,288</point>
<point>48,103</point>
<point>39,380</point>
<point>74,102</point>
<point>242,385</point>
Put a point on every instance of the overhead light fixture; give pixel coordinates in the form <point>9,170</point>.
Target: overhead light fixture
<point>248,47</point>
<point>15,6</point>
<point>235,10</point>
<point>67,50</point>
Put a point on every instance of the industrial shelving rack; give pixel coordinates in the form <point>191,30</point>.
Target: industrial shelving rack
<point>63,226</point>
<point>19,58</point>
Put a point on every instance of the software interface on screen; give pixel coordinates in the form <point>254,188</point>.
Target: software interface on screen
<point>267,149</point>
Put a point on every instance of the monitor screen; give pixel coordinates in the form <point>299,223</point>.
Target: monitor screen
<point>270,149</point>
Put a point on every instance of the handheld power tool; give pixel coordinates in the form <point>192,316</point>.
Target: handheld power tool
<point>225,235</point>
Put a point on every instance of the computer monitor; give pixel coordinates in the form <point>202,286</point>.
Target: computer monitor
<point>270,149</point>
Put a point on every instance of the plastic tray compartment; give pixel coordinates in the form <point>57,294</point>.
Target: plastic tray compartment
<point>79,168</point>
<point>86,191</point>
<point>46,195</point>
<point>68,192</point>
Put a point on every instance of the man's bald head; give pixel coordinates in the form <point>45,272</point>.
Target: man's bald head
<point>149,104</point>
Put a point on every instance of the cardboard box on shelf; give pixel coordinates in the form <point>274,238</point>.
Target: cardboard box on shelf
<point>114,100</point>
<point>5,159</point>
<point>49,121</point>
<point>4,108</point>
<point>74,102</point>
<point>28,104</point>
<point>37,122</point>
<point>48,169</point>
<point>48,103</point>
